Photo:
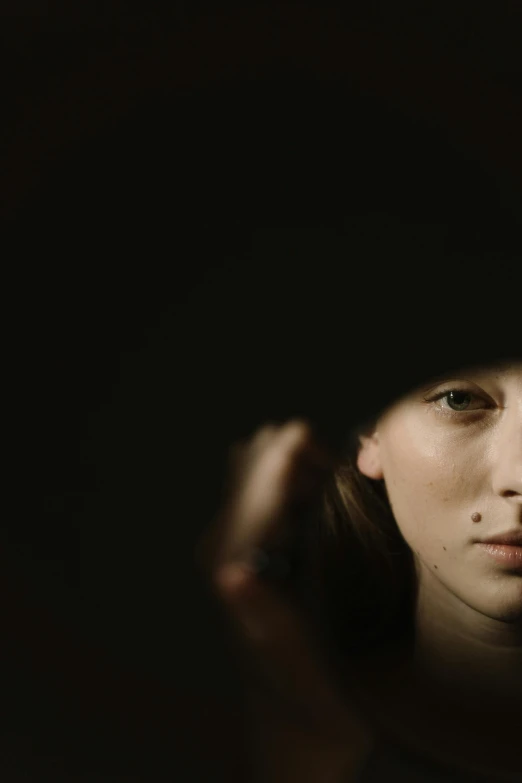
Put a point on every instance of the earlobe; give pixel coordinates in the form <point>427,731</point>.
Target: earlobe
<point>369,457</point>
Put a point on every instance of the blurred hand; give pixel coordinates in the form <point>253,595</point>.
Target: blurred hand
<point>303,729</point>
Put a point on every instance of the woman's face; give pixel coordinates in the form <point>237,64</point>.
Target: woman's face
<point>450,455</point>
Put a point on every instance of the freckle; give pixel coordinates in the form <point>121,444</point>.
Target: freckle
<point>435,566</point>
<point>444,548</point>
<point>445,500</point>
<point>476,517</point>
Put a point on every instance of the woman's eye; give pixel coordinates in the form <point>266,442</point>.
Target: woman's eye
<point>462,400</point>
<point>457,400</point>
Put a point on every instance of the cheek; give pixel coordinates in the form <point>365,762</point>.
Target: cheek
<point>428,480</point>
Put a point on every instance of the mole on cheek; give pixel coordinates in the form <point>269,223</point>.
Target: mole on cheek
<point>476,517</point>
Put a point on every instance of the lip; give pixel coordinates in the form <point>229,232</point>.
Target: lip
<point>511,538</point>
<point>506,555</point>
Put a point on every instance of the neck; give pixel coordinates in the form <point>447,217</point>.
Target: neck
<point>454,695</point>
<point>462,651</point>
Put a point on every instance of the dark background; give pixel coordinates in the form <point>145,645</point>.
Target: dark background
<point>175,185</point>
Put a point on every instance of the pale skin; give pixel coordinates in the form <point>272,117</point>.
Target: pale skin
<point>450,453</point>
<point>454,476</point>
<point>440,466</point>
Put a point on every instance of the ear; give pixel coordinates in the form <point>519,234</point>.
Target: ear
<point>369,456</point>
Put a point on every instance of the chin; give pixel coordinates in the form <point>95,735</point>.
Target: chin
<point>508,611</point>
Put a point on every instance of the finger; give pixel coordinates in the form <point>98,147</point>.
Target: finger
<point>276,467</point>
<point>297,433</point>
<point>289,467</point>
<point>241,455</point>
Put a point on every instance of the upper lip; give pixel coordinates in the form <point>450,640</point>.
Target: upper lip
<point>512,538</point>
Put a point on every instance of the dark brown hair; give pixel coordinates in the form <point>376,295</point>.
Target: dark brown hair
<point>360,570</point>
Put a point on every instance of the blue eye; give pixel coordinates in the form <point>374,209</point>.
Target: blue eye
<point>458,400</point>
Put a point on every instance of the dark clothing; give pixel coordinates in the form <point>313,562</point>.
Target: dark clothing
<point>391,762</point>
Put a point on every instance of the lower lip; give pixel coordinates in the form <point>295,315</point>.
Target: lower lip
<point>507,556</point>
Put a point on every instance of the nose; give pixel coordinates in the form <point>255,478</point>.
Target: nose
<point>507,474</point>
